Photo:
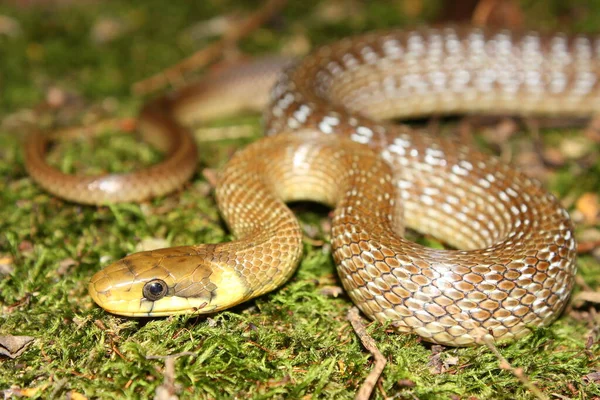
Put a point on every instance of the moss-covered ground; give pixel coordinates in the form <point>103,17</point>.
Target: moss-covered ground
<point>292,343</point>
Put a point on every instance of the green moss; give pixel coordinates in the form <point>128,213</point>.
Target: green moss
<point>292,343</point>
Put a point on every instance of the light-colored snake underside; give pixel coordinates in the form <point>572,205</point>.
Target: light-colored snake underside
<point>515,266</point>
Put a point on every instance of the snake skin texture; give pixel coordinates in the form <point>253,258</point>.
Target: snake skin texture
<point>514,264</point>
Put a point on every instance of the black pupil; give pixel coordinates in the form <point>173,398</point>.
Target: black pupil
<point>155,288</point>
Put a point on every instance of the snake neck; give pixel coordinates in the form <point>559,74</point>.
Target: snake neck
<point>305,166</point>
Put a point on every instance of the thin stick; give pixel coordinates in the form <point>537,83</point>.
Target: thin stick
<point>176,355</point>
<point>517,372</point>
<point>210,53</point>
<point>169,389</point>
<point>124,125</point>
<point>359,328</point>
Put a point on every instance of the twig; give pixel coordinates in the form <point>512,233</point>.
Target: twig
<point>208,134</point>
<point>176,355</point>
<point>124,125</point>
<point>169,388</point>
<point>586,297</point>
<point>210,53</point>
<point>517,372</point>
<point>359,328</point>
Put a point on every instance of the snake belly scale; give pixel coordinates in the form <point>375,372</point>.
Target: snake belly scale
<point>327,141</point>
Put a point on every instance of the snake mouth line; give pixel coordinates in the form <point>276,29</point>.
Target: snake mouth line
<point>151,312</point>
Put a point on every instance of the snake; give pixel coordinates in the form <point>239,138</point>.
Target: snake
<point>332,137</point>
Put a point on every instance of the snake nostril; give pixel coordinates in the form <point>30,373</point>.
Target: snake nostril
<point>155,289</point>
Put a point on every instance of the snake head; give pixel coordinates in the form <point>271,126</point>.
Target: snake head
<point>178,280</point>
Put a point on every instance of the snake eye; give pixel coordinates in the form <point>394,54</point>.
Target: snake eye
<point>154,290</point>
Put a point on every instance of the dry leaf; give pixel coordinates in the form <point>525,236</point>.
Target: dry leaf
<point>75,396</point>
<point>210,175</point>
<point>407,383</point>
<point>588,206</point>
<point>26,392</point>
<point>593,377</point>
<point>149,244</point>
<point>216,26</point>
<point>6,264</point>
<point>586,296</point>
<point>14,346</point>
<point>25,247</point>
<point>9,26</point>
<point>108,29</point>
<point>575,148</point>
<point>64,266</point>
<point>440,362</point>
<point>331,291</point>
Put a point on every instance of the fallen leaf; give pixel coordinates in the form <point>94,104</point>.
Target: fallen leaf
<point>76,396</point>
<point>14,346</point>
<point>279,382</point>
<point>407,383</point>
<point>331,291</point>
<point>586,296</point>
<point>9,26</point>
<point>588,206</point>
<point>216,26</point>
<point>500,132</point>
<point>593,377</point>
<point>26,392</point>
<point>575,148</point>
<point>149,244</point>
<point>56,97</point>
<point>6,264</point>
<point>64,266</point>
<point>440,362</point>
<point>210,175</point>
<point>26,246</point>
<point>554,157</point>
<point>108,29</point>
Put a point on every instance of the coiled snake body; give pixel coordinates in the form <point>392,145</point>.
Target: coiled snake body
<point>516,260</point>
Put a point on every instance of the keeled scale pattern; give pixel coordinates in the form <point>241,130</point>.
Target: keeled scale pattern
<point>517,259</point>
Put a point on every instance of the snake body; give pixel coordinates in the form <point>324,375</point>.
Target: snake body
<point>514,265</point>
